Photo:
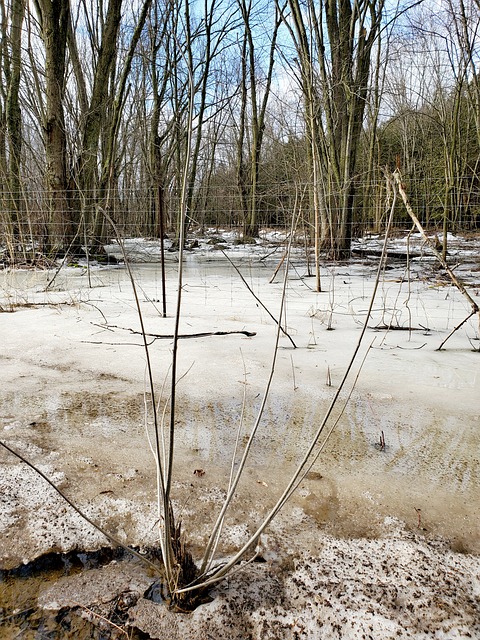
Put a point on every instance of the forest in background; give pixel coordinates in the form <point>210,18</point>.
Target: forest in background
<point>244,113</point>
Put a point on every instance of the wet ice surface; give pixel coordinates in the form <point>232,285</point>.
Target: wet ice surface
<point>72,382</point>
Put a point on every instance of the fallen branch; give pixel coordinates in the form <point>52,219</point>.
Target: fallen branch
<point>65,258</point>
<point>394,327</point>
<point>265,257</point>
<point>33,305</point>
<point>412,348</point>
<point>278,268</point>
<point>204,334</point>
<point>457,328</point>
<point>158,336</point>
<point>102,618</point>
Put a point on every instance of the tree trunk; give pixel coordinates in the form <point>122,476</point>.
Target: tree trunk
<point>54,16</point>
<point>339,38</point>
<point>87,164</point>
<point>14,126</point>
<point>258,107</point>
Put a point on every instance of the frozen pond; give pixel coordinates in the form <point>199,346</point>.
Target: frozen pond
<point>73,378</point>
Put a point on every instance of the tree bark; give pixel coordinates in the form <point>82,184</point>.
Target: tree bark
<point>54,16</point>
<point>87,164</point>
<point>14,125</point>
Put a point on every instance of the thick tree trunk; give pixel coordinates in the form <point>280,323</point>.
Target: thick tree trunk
<point>54,17</point>
<point>87,164</point>
<point>14,126</point>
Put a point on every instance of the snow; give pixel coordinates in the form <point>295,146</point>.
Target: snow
<point>397,586</point>
<point>379,543</point>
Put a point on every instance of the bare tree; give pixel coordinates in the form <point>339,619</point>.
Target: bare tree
<point>255,96</point>
<point>85,175</point>
<point>334,41</point>
<point>157,161</point>
<point>109,165</point>
<point>433,135</point>
<point>205,42</point>
<point>54,18</point>
<point>11,68</point>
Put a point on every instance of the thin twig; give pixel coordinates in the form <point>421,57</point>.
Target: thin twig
<point>207,556</point>
<point>220,572</point>
<point>232,466</point>
<point>62,264</point>
<point>258,300</point>
<point>100,617</point>
<point>282,260</point>
<point>160,469</point>
<point>293,373</point>
<point>472,313</point>
<point>83,515</point>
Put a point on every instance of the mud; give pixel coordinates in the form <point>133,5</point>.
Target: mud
<point>71,595</point>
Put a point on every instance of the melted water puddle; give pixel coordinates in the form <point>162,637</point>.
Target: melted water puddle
<point>73,595</point>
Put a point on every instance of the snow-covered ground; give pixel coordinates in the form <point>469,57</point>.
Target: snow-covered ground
<point>208,245</point>
<point>379,541</point>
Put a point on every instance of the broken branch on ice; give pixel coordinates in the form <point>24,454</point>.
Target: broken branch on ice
<point>158,336</point>
<point>80,512</point>
<point>395,327</point>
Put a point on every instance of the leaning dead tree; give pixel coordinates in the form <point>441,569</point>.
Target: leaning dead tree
<point>397,178</point>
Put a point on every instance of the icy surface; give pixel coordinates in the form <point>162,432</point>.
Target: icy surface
<point>381,540</point>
